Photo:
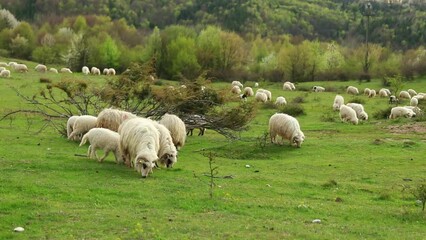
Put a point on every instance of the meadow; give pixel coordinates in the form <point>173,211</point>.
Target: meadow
<point>356,179</point>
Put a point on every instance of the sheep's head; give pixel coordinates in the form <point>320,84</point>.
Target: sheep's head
<point>169,160</point>
<point>146,164</point>
<point>363,116</point>
<point>410,114</point>
<point>298,139</point>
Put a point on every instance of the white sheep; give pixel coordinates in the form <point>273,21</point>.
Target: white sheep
<point>338,101</point>
<point>318,89</point>
<point>112,118</point>
<point>359,109</point>
<point>3,64</point>
<point>383,92</point>
<point>53,70</point>
<point>237,83</point>
<point>352,90</point>
<point>139,144</point>
<point>10,64</point>
<point>65,70</point>
<point>287,127</point>
<point>404,94</point>
<point>401,112</point>
<point>288,86</point>
<point>85,70</point>
<point>105,139</point>
<point>167,152</point>
<point>367,91</point>
<point>256,84</point>
<point>414,102</point>
<point>261,97</point>
<point>236,89</point>
<point>412,92</point>
<point>95,71</point>
<point>291,85</point>
<point>111,71</point>
<point>372,93</point>
<point>347,114</point>
<point>82,125</point>
<point>248,91</point>
<point>41,68</point>
<point>20,67</point>
<point>70,127</point>
<point>268,95</point>
<point>416,110</point>
<point>105,71</point>
<point>176,127</point>
<point>5,73</point>
<point>280,101</point>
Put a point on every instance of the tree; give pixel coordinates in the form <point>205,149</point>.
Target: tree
<point>80,24</point>
<point>209,48</point>
<point>232,52</point>
<point>183,57</point>
<point>110,54</point>
<point>153,48</point>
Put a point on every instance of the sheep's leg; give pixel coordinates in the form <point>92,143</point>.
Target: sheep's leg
<point>89,152</point>
<point>104,156</point>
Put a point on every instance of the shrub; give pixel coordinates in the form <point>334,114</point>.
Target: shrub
<point>298,99</point>
<point>45,80</point>
<point>357,100</point>
<point>383,113</point>
<point>292,109</point>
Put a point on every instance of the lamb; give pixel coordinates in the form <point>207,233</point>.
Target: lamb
<point>20,67</point>
<point>236,90</point>
<point>318,89</point>
<point>112,118</point>
<point>85,70</point>
<point>65,70</point>
<point>111,71</point>
<point>372,93</point>
<point>105,139</point>
<point>383,93</point>
<point>41,68</point>
<point>404,94</point>
<point>176,127</point>
<point>167,152</point>
<point>5,73</point>
<point>237,83</point>
<point>414,102</point>
<point>401,112</point>
<point>82,125</point>
<point>367,91</point>
<point>248,91</point>
<point>338,101</point>
<point>280,101</point>
<point>359,109</point>
<point>54,70</point>
<point>70,126</point>
<point>393,99</point>
<point>412,92</point>
<point>287,127</point>
<point>352,90</point>
<point>348,114</point>
<point>261,97</point>
<point>139,143</point>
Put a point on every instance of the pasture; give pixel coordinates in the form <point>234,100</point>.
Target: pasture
<point>357,179</point>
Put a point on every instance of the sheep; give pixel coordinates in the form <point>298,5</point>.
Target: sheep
<point>367,91</point>
<point>404,94</point>
<point>95,71</point>
<point>139,143</point>
<point>10,64</point>
<point>383,93</point>
<point>20,67</point>
<point>372,93</point>
<point>412,92</point>
<point>359,109</point>
<point>3,64</point>
<point>54,70</point>
<point>105,71</point>
<point>82,125</point>
<point>261,97</point>
<point>85,70</point>
<point>256,84</point>
<point>5,73</point>
<point>248,91</point>
<point>176,127</point>
<point>338,101</point>
<point>393,99</point>
<point>280,101</point>
<point>167,152</point>
<point>195,121</point>
<point>352,90</point>
<point>268,95</point>
<point>112,118</point>
<point>111,71</point>
<point>105,139</point>
<point>70,126</point>
<point>65,70</point>
<point>287,127</point>
<point>288,86</point>
<point>348,114</point>
<point>236,90</point>
<point>416,110</point>
<point>419,97</point>
<point>401,112</point>
<point>414,102</point>
<point>41,68</point>
<point>237,83</point>
<point>318,89</point>
<point>291,85</point>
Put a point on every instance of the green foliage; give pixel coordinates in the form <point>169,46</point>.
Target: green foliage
<point>80,24</point>
<point>20,47</point>
<point>109,53</point>
<point>292,109</point>
<point>45,54</point>
<point>183,58</point>
<point>78,53</point>
<point>209,46</point>
<point>382,113</point>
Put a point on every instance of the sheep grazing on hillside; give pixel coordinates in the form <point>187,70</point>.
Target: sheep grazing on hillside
<point>53,70</point>
<point>288,86</point>
<point>82,125</point>
<point>404,94</point>
<point>367,91</point>
<point>372,93</point>
<point>248,91</point>
<point>280,101</point>
<point>167,153</point>
<point>287,127</point>
<point>105,139</point>
<point>5,73</point>
<point>291,85</point>
<point>347,114</point>
<point>65,70</point>
<point>112,118</point>
<point>352,90</point>
<point>3,64</point>
<point>416,110</point>
<point>412,92</point>
<point>95,71</point>
<point>176,127</point>
<point>393,99</point>
<point>70,127</point>
<point>20,67</point>
<point>139,143</point>
<point>338,101</point>
<point>111,71</point>
<point>235,90</point>
<point>359,109</point>
<point>85,70</point>
<point>237,83</point>
<point>397,112</point>
<point>261,97</point>
<point>414,102</point>
<point>318,89</point>
<point>41,68</point>
<point>383,92</point>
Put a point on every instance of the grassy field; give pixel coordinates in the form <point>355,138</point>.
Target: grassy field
<point>353,178</point>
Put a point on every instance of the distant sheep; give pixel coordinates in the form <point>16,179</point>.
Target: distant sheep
<point>288,86</point>
<point>105,139</point>
<point>70,127</point>
<point>268,95</point>
<point>338,101</point>
<point>261,97</point>
<point>347,114</point>
<point>359,109</point>
<point>318,89</point>
<point>401,112</point>
<point>372,93</point>
<point>95,71</point>
<point>20,68</point>
<point>176,127</point>
<point>139,143</point>
<point>352,90</point>
<point>256,84</point>
<point>248,91</point>
<point>53,70</point>
<point>65,70</point>
<point>404,94</point>
<point>167,152</point>
<point>237,83</point>
<point>112,118</point>
<point>3,64</point>
<point>367,91</point>
<point>287,127</point>
<point>280,101</point>
<point>5,73</point>
<point>291,85</point>
<point>414,102</point>
<point>82,125</point>
<point>41,68</point>
<point>416,110</point>
<point>393,99</point>
<point>412,92</point>
<point>105,71</point>
<point>111,72</point>
<point>85,70</point>
<point>236,90</point>
<point>383,92</point>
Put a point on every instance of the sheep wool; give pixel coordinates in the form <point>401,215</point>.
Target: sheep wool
<point>237,83</point>
<point>176,127</point>
<point>367,91</point>
<point>20,67</point>
<point>112,118</point>
<point>53,70</point>
<point>167,153</point>
<point>359,109</point>
<point>105,139</point>
<point>41,68</point>
<point>85,70</point>
<point>248,91</point>
<point>280,101</point>
<point>287,127</point>
<point>318,89</point>
<point>236,90</point>
<point>261,97</point>
<point>414,102</point>
<point>404,94</point>
<point>82,125</point>
<point>70,127</point>
<point>397,112</point>
<point>338,101</point>
<point>412,92</point>
<point>383,93</point>
<point>347,114</point>
<point>372,93</point>
<point>352,90</point>
<point>5,73</point>
<point>65,70</point>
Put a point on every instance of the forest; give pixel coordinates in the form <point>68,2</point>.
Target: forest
<point>275,40</point>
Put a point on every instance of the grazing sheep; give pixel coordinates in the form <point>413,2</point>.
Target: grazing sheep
<point>291,85</point>
<point>20,67</point>
<point>280,101</point>
<point>367,91</point>
<point>176,127</point>
<point>54,70</point>
<point>348,114</point>
<point>338,101</point>
<point>414,102</point>
<point>261,97</point>
<point>237,83</point>
<point>383,93</point>
<point>65,70</point>
<point>139,143</point>
<point>416,110</point>
<point>2,68</point>
<point>404,94</point>
<point>3,64</point>
<point>105,139</point>
<point>401,112</point>
<point>236,90</point>
<point>256,84</point>
<point>10,64</point>
<point>372,93</point>
<point>41,68</point>
<point>95,71</point>
<point>318,89</point>
<point>112,118</point>
<point>82,125</point>
<point>352,90</point>
<point>111,71</point>
<point>419,97</point>
<point>105,71</point>
<point>287,86</point>
<point>5,73</point>
<point>359,109</point>
<point>167,152</point>
<point>287,127</point>
<point>412,92</point>
<point>268,95</point>
<point>70,127</point>
<point>248,91</point>
<point>195,121</point>
<point>85,70</point>
<point>393,99</point>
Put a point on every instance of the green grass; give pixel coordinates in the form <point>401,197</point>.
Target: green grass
<point>350,177</point>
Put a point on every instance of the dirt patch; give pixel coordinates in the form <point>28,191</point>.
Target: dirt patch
<point>418,127</point>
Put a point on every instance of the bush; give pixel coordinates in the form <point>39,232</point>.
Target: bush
<point>357,100</point>
<point>292,109</point>
<point>45,80</point>
<point>383,113</point>
<point>298,100</point>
